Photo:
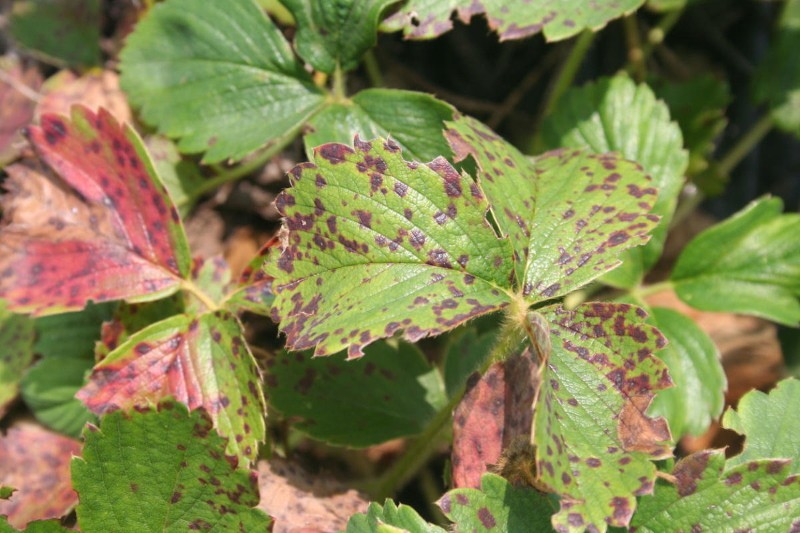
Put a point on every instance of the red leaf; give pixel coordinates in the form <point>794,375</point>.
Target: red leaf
<point>119,238</point>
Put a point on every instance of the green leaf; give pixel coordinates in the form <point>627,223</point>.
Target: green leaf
<point>219,76</point>
<point>694,366</point>
<point>414,120</point>
<point>49,391</point>
<point>398,518</point>
<point>777,80</point>
<point>37,526</point>
<point>464,356</point>
<point>616,114</point>
<point>182,178</point>
<point>66,31</point>
<point>333,33</point>
<point>749,263</point>
<point>426,19</point>
<point>202,361</point>
<point>72,335</point>
<point>754,496</point>
<point>594,443</point>
<point>16,338</point>
<point>393,392</point>
<point>375,244</point>
<point>568,214</point>
<point>497,507</point>
<point>162,470</point>
<point>769,424</point>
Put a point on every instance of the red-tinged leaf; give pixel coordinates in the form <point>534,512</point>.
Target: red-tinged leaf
<point>130,318</point>
<point>594,442</point>
<point>17,101</point>
<point>121,238</point>
<point>375,244</point>
<point>254,291</point>
<point>35,461</point>
<point>301,502</point>
<point>200,361</point>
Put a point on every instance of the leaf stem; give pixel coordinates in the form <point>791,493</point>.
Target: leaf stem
<point>636,57</point>
<point>190,287</point>
<point>643,292</point>
<point>373,69</point>
<point>745,144</point>
<point>339,90</point>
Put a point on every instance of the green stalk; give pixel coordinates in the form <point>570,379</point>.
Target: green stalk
<point>339,87</point>
<point>745,144</point>
<point>636,62</point>
<point>373,69</point>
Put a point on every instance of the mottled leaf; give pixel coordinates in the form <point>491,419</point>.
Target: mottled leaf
<point>94,89</point>
<point>753,496</point>
<point>219,76</point>
<point>400,519</point>
<point>254,290</point>
<point>18,89</point>
<point>36,462</point>
<point>130,318</point>
<point>200,361</point>
<point>335,33</point>
<point>16,338</point>
<point>694,365</point>
<point>117,237</point>
<point>594,442</point>
<point>66,31</point>
<point>375,244</point>
<point>299,501</point>
<point>497,507</point>
<point>414,120</point>
<point>393,392</point>
<point>749,264</point>
<point>617,115</point>
<point>162,470</point>
<point>769,423</point>
<point>568,213</point>
<point>426,19</point>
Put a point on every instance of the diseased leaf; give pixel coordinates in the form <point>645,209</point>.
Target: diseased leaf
<point>617,115</point>
<point>335,33</point>
<point>36,462</point>
<point>568,214</point>
<point>117,237</point>
<point>299,501</point>
<point>162,470</point>
<point>62,30</point>
<point>201,361</point>
<point>393,392</point>
<point>254,290</point>
<point>769,423</point>
<point>749,264</point>
<point>497,507</point>
<point>426,19</point>
<point>594,442</point>
<point>464,356</point>
<point>16,338</point>
<point>225,63</point>
<point>375,244</point>
<point>16,105</point>
<point>753,496</point>
<point>130,318</point>
<point>400,519</point>
<point>695,368</point>
<point>414,120</point>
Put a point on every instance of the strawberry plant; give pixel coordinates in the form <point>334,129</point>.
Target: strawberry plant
<point>434,306</point>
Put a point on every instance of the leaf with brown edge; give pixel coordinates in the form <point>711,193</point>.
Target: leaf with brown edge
<point>594,443</point>
<point>201,361</point>
<point>374,244</point>
<point>120,238</point>
<point>36,462</point>
<point>569,214</point>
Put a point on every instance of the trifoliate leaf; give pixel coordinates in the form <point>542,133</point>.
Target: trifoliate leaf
<point>36,462</point>
<point>201,361</point>
<point>695,368</point>
<point>749,263</point>
<point>426,19</point>
<point>393,392</point>
<point>753,496</point>
<point>162,470</point>
<point>16,337</point>
<point>400,519</point>
<point>617,115</point>
<point>219,76</point>
<point>568,214</point>
<point>594,442</point>
<point>65,30</point>
<point>117,237</point>
<point>497,507</point>
<point>769,425</point>
<point>375,244</point>
<point>333,33</point>
<point>414,120</point>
